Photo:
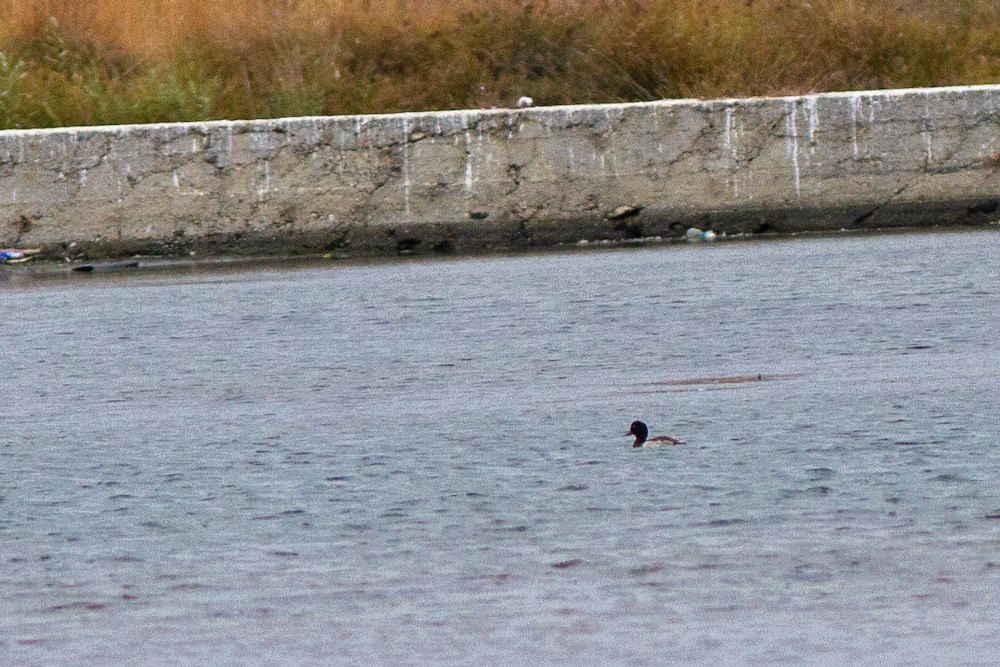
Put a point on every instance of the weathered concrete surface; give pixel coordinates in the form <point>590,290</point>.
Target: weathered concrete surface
<point>473,180</point>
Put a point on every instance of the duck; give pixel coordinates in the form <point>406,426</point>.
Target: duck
<point>639,430</point>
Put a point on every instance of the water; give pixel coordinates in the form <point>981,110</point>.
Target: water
<point>422,463</point>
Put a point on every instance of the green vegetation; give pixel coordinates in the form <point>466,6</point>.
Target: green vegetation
<point>87,62</point>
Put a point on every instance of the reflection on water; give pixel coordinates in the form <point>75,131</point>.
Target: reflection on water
<point>423,463</point>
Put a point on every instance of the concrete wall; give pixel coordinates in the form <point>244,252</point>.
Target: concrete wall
<point>470,180</point>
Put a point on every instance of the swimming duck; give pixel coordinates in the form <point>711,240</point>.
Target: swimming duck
<point>639,430</point>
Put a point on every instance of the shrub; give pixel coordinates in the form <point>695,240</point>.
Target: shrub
<point>83,62</point>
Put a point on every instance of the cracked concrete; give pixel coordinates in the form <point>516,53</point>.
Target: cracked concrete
<point>503,179</point>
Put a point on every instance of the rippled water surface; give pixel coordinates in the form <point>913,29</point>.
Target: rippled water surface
<point>422,463</point>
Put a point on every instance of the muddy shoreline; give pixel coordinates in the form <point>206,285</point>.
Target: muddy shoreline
<point>60,268</point>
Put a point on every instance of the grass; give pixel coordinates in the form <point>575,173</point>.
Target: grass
<point>87,62</point>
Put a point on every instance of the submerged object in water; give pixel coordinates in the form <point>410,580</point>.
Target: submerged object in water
<point>109,266</point>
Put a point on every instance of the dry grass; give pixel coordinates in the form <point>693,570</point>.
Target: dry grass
<point>77,62</point>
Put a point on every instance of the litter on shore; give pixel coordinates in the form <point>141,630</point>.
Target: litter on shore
<point>17,256</point>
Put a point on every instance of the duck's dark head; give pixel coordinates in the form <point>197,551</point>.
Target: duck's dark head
<point>639,430</point>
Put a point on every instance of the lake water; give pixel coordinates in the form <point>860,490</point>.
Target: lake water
<point>423,463</point>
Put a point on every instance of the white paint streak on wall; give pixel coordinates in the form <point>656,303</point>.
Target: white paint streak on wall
<point>468,161</point>
<point>480,151</point>
<point>263,178</point>
<point>727,141</point>
<point>792,141</point>
<point>855,108</point>
<point>611,144</point>
<point>927,128</point>
<point>813,121</point>
<point>69,148</point>
<point>406,167</point>
<point>729,135</point>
